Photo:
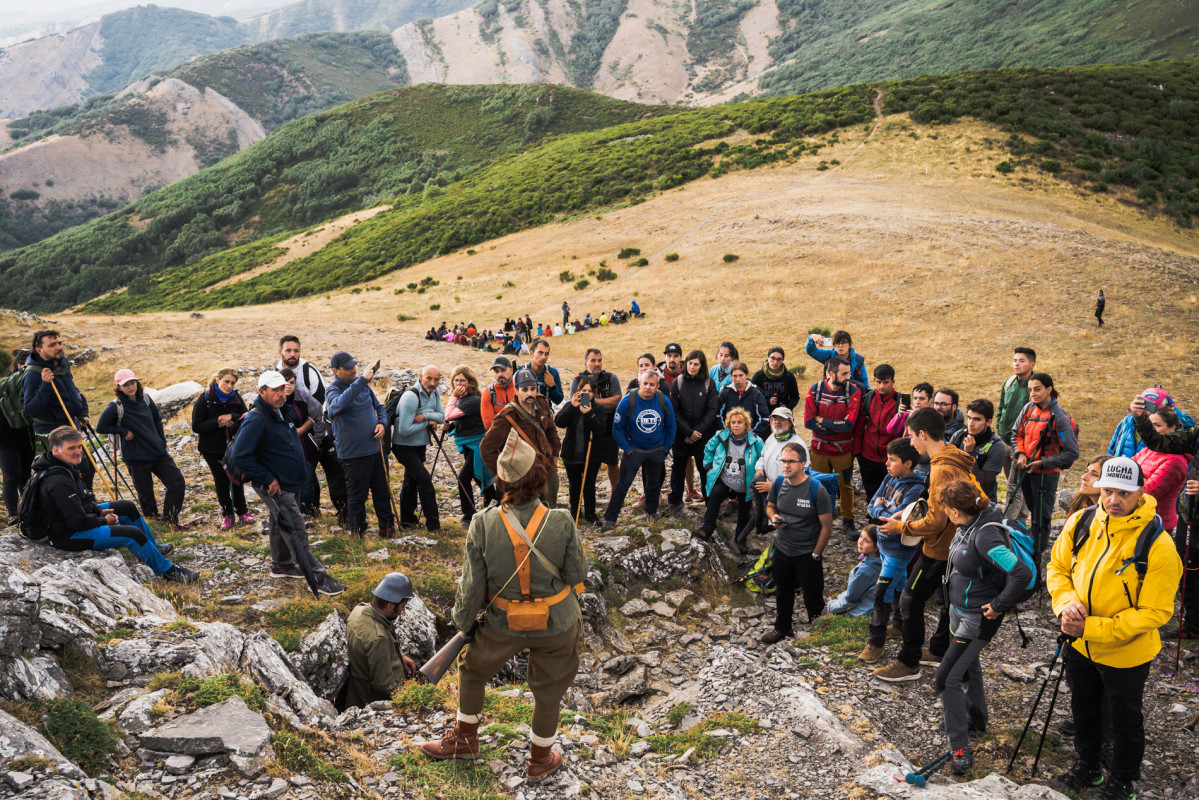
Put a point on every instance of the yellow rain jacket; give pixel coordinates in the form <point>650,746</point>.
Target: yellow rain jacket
<point>1123,614</point>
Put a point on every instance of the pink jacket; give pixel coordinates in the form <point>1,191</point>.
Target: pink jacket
<point>1165,476</point>
<point>895,426</point>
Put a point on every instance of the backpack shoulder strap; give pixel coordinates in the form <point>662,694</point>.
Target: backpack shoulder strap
<point>1145,542</point>
<point>778,483</point>
<point>120,411</point>
<point>1087,516</point>
<point>662,403</point>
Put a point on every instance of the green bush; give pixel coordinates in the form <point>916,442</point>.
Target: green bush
<point>435,307</point>
<point>294,753</point>
<point>404,318</point>
<point>729,258</point>
<point>220,688</point>
<point>605,274</point>
<point>672,256</point>
<point>582,284</point>
<point>566,276</point>
<point>72,726</point>
<point>1004,167</point>
<point>821,330</point>
<point>641,262</point>
<point>628,252</point>
<point>1051,166</point>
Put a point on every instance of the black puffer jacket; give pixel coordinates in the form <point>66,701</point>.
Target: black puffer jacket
<point>66,504</point>
<point>694,401</point>
<point>211,438</point>
<point>983,567</point>
<point>577,425</point>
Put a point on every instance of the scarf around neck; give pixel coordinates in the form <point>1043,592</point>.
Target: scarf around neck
<point>224,398</point>
<point>774,376</point>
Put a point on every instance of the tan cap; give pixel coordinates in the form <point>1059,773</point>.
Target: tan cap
<point>515,459</point>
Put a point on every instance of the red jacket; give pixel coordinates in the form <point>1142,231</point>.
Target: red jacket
<point>870,436</point>
<point>839,410</point>
<point>1165,477</point>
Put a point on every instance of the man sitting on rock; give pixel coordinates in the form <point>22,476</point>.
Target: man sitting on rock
<point>377,667</point>
<point>69,516</point>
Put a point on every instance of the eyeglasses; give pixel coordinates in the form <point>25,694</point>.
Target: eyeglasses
<point>942,405</point>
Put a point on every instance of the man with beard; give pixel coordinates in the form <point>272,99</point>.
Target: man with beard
<point>500,393</point>
<point>607,396</point>
<point>51,371</point>
<point>549,385</point>
<point>672,366</point>
<point>984,444</point>
<point>530,416</point>
<point>946,401</point>
<point>309,379</point>
<point>831,413</point>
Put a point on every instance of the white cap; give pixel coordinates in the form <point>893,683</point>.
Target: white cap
<point>1121,473</point>
<point>271,380</point>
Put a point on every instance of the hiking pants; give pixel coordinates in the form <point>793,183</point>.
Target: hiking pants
<point>1014,507</point>
<point>367,474</point>
<point>653,469</point>
<point>553,664</point>
<point>132,533</point>
<point>288,534</point>
<point>334,477</point>
<point>797,572</point>
<point>960,677</point>
<point>716,500</point>
<point>842,465</point>
<point>873,475</point>
<point>924,579</point>
<point>418,484</point>
<point>584,485</point>
<point>1190,562</point>
<point>678,470</point>
<point>16,462</point>
<point>230,495</point>
<point>142,473</point>
<point>1121,690</point>
<point>886,605</point>
<point>1040,495</point>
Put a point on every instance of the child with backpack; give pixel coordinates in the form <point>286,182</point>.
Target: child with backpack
<point>988,574</point>
<point>858,597</point>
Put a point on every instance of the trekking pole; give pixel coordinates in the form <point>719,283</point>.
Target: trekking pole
<point>1062,639</point>
<point>920,777</point>
<point>103,478</point>
<point>586,462</point>
<point>1048,717</point>
<point>91,432</point>
<point>104,463</point>
<point>390,498</point>
<point>461,488</point>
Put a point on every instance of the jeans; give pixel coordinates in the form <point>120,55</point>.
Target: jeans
<point>678,471</point>
<point>367,474</point>
<point>580,484</point>
<point>132,533</point>
<point>288,535</point>
<point>924,579</point>
<point>418,485</point>
<point>873,475</point>
<point>1095,686</point>
<point>653,470</point>
<point>716,500</point>
<point>231,496</point>
<point>16,463</point>
<point>960,683</point>
<point>1040,495</point>
<point>842,465</point>
<point>142,473</point>
<point>797,572</point>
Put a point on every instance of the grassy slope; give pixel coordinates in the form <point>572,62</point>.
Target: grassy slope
<point>826,40</point>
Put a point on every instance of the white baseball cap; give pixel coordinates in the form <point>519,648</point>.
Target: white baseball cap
<point>271,380</point>
<point>1121,473</point>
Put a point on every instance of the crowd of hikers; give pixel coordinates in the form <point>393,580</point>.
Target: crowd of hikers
<point>932,528</point>
<point>515,335</point>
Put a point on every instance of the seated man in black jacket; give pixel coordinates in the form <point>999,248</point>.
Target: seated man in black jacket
<point>73,520</point>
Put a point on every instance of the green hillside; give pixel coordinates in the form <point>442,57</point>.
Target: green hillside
<point>837,42</point>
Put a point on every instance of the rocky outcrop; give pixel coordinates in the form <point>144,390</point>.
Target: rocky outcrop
<point>18,739</point>
<point>322,658</point>
<point>264,659</point>
<point>643,559</point>
<point>227,728</point>
<point>174,397</point>
<point>417,631</point>
<point>20,599</point>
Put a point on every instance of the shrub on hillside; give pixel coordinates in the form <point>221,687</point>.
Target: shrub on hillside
<point>1004,167</point>
<point>729,258</point>
<point>672,256</point>
<point>605,274</point>
<point>641,262</point>
<point>582,284</point>
<point>1051,166</point>
<point>435,307</point>
<point>566,276</point>
<point>629,252</point>
<point>72,726</point>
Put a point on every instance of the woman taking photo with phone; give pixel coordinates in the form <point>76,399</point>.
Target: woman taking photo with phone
<point>582,420</point>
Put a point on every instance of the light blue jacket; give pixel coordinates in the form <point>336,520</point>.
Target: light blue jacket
<point>858,597</point>
<point>716,451</point>
<point>857,364</point>
<point>355,411</point>
<point>721,381</point>
<point>407,433</point>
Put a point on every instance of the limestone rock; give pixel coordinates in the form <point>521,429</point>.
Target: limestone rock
<point>632,684</point>
<point>136,717</point>
<point>322,658</point>
<point>265,659</point>
<point>993,787</point>
<point>227,727</point>
<point>214,648</point>
<point>635,608</point>
<point>33,677</point>
<point>20,598</point>
<point>18,739</point>
<point>677,556</point>
<point>417,631</point>
<point>175,396</point>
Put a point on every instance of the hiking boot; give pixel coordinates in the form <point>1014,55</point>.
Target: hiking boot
<point>542,762</point>
<point>1079,777</point>
<point>330,588</point>
<point>178,574</point>
<point>1184,633</point>
<point>246,519</point>
<point>700,533</point>
<point>897,671</point>
<point>928,659</point>
<point>165,548</point>
<point>640,502</point>
<point>962,760</point>
<point>11,520</point>
<point>1116,790</point>
<point>773,636</point>
<point>460,743</point>
<point>607,525</point>
<point>849,529</point>
<point>674,508</point>
<point>227,522</point>
<point>894,632</point>
<point>292,571</point>
<point>870,654</point>
<point>390,533</point>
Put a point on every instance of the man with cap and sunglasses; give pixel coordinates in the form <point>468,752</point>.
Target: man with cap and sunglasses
<point>377,665</point>
<point>523,569</point>
<point>359,422</point>
<point>533,420</point>
<point>1112,579</point>
<point>267,450</point>
<point>500,393</point>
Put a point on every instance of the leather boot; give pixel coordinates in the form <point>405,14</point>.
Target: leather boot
<point>462,742</point>
<point>542,762</point>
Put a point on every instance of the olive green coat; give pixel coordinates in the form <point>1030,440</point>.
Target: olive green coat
<point>376,666</point>
<point>489,561</point>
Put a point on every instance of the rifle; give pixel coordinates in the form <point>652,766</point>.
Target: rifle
<point>437,666</point>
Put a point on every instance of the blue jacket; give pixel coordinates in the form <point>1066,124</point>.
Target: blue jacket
<point>644,426</point>
<point>857,364</point>
<point>894,496</point>
<point>141,416</point>
<point>41,405</point>
<point>721,380</point>
<point>268,448</point>
<point>554,395</point>
<point>858,597</point>
<point>355,412</point>
<point>404,431</point>
<point>715,452</point>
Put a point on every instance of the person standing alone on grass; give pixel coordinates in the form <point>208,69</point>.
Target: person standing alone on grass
<point>831,413</point>
<point>1100,304</point>
<point>417,415</point>
<point>802,515</point>
<point>1013,396</point>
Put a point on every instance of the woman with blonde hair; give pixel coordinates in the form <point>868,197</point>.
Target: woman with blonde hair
<point>730,458</point>
<point>464,421</point>
<point>215,418</point>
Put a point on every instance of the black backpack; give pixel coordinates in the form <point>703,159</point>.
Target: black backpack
<point>389,407</point>
<point>236,476</point>
<point>1145,540</point>
<point>29,512</point>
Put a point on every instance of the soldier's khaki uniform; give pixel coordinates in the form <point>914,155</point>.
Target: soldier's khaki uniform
<point>376,665</point>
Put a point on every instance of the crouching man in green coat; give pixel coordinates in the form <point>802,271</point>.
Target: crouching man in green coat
<point>524,568</point>
<point>377,667</point>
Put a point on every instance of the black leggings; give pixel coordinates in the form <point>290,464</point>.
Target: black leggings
<point>230,495</point>
<point>16,463</point>
<point>143,473</point>
<point>720,493</point>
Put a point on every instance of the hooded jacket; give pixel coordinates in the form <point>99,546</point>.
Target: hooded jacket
<point>1165,477</point>
<point>1123,613</point>
<point>857,364</point>
<point>894,495</point>
<point>140,416</point>
<point>694,401</point>
<point>983,568</point>
<point>951,464</point>
<point>717,451</point>
<point>1181,442</point>
<point>211,438</point>
<point>41,404</point>
<point>66,504</point>
<point>752,400</point>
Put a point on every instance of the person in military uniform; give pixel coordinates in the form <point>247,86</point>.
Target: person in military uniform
<point>530,415</point>
<point>377,667</point>
<point>526,598</point>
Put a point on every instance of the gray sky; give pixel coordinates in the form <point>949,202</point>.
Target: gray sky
<point>21,19</point>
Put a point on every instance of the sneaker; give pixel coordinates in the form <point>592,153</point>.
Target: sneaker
<point>292,571</point>
<point>330,588</point>
<point>695,496</point>
<point>246,518</point>
<point>1117,790</point>
<point>640,502</point>
<point>227,522</point>
<point>894,632</point>
<point>928,659</point>
<point>870,654</point>
<point>849,529</point>
<point>607,525</point>
<point>772,636</point>
<point>178,574</point>
<point>166,548</point>
<point>1079,777</point>
<point>897,671</point>
<point>962,760</point>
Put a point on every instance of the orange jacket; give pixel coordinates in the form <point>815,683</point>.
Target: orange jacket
<point>495,398</point>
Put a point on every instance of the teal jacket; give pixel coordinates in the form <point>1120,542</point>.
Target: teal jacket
<point>715,453</point>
